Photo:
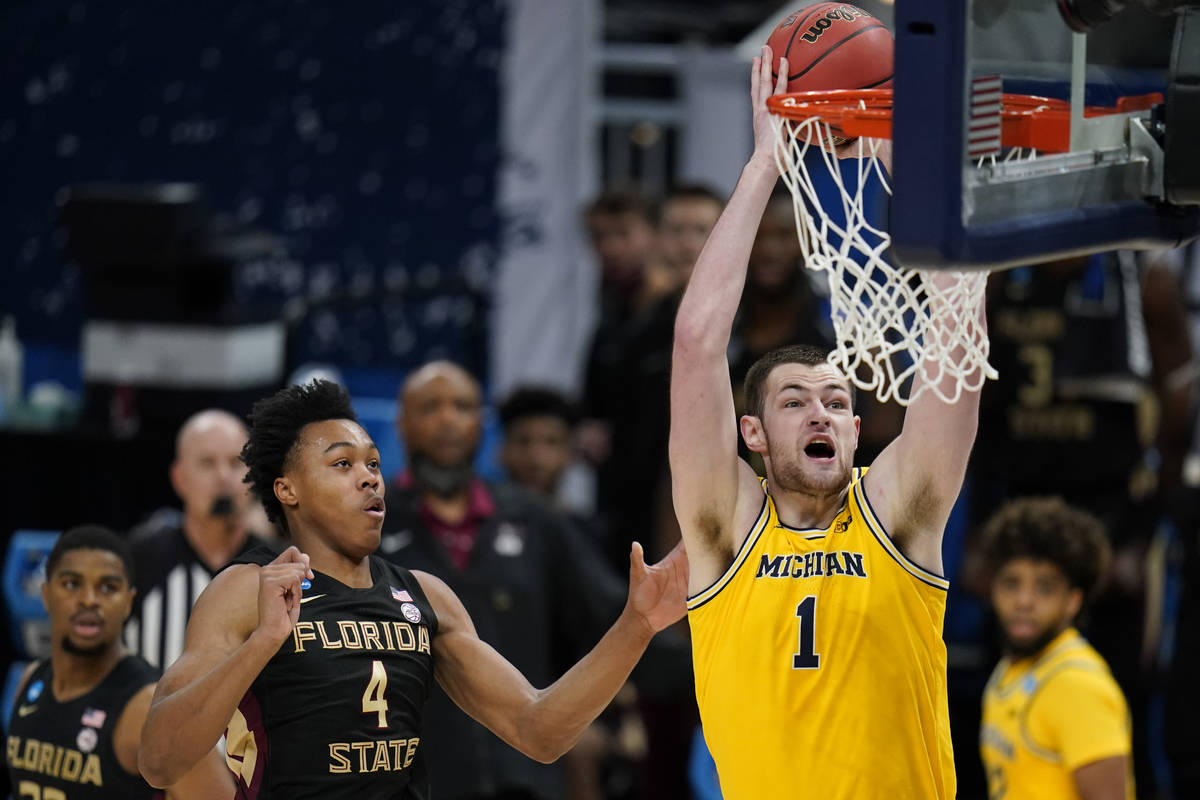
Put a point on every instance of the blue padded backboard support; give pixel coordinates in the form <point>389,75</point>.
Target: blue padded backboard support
<point>22,586</point>
<point>928,130</point>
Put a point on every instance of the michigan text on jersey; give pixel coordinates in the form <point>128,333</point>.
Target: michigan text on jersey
<point>812,564</point>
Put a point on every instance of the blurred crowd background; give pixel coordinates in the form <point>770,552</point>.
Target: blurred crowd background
<point>202,202</point>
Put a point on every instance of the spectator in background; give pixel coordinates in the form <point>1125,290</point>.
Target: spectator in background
<point>689,212</point>
<point>76,728</point>
<point>1179,655</point>
<point>537,448</point>
<point>1085,347</point>
<point>634,495</point>
<point>620,224</point>
<point>176,555</point>
<point>636,489</point>
<point>533,585</point>
<point>780,304</point>
<point>536,452</point>
<point>1055,723</point>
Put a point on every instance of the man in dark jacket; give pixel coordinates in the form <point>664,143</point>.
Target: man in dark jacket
<point>536,589</point>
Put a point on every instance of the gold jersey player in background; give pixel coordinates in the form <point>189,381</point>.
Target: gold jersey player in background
<point>816,594</point>
<point>1055,724</point>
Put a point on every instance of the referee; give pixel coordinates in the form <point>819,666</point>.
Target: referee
<point>176,555</point>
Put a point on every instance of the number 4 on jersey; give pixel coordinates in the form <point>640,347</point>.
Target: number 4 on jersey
<point>805,657</point>
<point>374,698</point>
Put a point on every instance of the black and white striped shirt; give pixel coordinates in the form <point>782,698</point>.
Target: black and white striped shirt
<point>169,575</point>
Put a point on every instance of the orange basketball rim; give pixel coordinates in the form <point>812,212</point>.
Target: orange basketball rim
<point>1027,121</point>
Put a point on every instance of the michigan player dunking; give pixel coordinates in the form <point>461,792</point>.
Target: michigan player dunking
<point>816,598</point>
<point>320,659</point>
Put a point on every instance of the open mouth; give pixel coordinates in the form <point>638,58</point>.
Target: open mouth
<point>375,507</point>
<point>819,449</point>
<point>86,627</point>
<point>1021,629</point>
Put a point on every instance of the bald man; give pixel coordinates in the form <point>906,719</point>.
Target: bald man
<point>176,555</point>
<point>533,585</point>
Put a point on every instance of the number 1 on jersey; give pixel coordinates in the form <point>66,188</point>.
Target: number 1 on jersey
<point>805,657</point>
<point>374,699</point>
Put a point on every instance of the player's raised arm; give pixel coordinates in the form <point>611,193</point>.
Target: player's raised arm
<point>238,624</point>
<point>545,723</point>
<point>707,476</point>
<point>915,481</point>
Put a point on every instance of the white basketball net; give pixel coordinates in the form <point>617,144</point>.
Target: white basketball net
<point>889,321</point>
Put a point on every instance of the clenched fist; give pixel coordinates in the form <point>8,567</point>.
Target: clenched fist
<point>279,593</point>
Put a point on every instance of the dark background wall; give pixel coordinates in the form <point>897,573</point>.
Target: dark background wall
<point>364,134</point>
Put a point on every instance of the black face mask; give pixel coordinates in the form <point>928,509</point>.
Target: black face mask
<point>443,481</point>
<point>222,506</point>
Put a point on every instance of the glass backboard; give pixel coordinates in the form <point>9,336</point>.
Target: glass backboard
<point>1127,180</point>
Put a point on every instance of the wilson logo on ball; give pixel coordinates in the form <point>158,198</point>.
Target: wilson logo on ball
<point>847,13</point>
<point>832,46</point>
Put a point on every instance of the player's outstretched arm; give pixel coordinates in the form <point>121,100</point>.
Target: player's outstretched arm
<point>914,482</point>
<point>210,779</point>
<point>238,624</point>
<point>706,474</point>
<point>545,723</point>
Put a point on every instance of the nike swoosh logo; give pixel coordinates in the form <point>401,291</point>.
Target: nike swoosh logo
<point>304,600</point>
<point>25,711</point>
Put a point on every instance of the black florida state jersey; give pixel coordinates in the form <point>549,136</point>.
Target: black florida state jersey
<point>337,711</point>
<point>64,751</point>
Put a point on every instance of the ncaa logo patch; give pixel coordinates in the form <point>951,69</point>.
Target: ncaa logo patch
<point>410,612</point>
<point>35,691</point>
<point>305,585</point>
<point>87,739</point>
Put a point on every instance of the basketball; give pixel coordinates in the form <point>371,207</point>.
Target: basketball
<point>833,46</point>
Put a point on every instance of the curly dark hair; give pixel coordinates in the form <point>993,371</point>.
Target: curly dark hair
<point>90,537</point>
<point>537,401</point>
<point>1048,529</point>
<point>623,199</point>
<point>275,423</point>
<point>754,387</point>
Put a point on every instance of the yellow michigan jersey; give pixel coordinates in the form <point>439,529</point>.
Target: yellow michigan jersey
<point>1045,717</point>
<point>820,666</point>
